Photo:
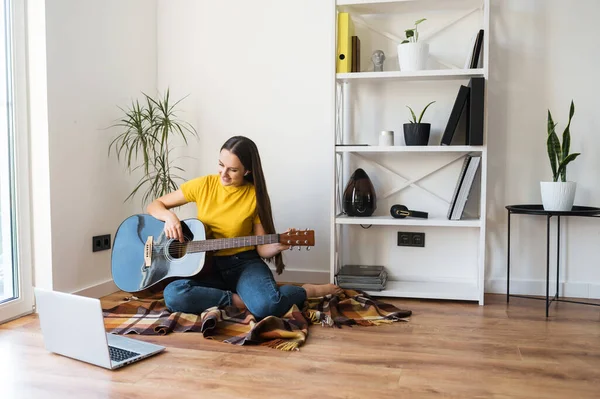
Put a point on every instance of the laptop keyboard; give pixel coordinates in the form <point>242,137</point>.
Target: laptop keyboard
<point>118,354</point>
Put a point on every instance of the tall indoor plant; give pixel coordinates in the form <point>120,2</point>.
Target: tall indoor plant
<point>559,194</point>
<point>145,142</point>
<point>413,54</point>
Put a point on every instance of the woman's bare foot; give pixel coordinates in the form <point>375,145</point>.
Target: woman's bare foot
<point>236,301</point>
<point>319,290</point>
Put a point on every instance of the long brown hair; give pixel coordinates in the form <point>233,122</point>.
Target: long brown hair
<point>247,152</point>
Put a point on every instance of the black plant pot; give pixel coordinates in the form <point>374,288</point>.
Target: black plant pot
<point>416,133</point>
<point>359,195</point>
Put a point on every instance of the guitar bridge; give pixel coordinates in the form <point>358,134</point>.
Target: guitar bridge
<point>148,251</point>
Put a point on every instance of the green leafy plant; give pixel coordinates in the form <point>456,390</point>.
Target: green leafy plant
<point>557,152</point>
<point>414,118</point>
<point>412,35</point>
<point>148,130</point>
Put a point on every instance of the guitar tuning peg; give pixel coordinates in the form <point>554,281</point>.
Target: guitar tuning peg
<point>299,248</point>
<point>308,248</point>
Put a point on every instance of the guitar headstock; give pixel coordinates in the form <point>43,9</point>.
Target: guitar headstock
<point>298,238</point>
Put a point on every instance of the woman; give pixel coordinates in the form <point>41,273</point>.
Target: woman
<point>233,203</point>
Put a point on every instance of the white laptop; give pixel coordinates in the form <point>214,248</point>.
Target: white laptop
<point>73,326</point>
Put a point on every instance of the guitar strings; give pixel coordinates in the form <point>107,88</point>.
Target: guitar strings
<point>176,245</point>
<point>207,243</point>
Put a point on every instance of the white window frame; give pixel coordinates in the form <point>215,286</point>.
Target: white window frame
<point>24,303</point>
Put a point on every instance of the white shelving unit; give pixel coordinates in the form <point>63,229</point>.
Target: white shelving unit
<point>451,266</point>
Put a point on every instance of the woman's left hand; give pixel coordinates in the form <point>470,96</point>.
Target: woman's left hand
<point>284,247</point>
<point>270,250</point>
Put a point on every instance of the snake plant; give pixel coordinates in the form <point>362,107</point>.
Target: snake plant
<point>145,143</point>
<point>557,152</point>
<point>414,117</point>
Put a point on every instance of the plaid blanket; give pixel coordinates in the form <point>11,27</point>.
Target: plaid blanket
<point>228,324</point>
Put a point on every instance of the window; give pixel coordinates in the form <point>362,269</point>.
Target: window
<point>15,266</point>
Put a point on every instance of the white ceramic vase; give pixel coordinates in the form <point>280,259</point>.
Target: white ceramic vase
<point>413,56</point>
<point>558,196</point>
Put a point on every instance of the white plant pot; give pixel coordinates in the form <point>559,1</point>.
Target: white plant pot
<point>558,196</point>
<point>413,56</point>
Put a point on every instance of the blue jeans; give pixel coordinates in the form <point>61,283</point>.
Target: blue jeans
<point>244,273</point>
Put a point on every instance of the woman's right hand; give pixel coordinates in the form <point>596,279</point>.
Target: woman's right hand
<point>159,208</point>
<point>173,227</point>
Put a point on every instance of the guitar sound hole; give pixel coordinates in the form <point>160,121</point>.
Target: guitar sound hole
<point>177,249</point>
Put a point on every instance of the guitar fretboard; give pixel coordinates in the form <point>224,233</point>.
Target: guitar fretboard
<point>226,243</point>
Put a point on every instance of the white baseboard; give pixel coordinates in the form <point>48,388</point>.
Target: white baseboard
<point>538,287</point>
<point>98,290</point>
<point>496,286</point>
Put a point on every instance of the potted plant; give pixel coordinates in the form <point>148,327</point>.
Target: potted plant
<point>415,132</point>
<point>559,194</point>
<point>413,54</point>
<point>147,134</point>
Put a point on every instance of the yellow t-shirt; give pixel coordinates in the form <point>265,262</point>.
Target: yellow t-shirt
<point>225,211</point>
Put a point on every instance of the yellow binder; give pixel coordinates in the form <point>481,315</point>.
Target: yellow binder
<point>344,43</point>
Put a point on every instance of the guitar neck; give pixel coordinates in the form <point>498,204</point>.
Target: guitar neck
<point>226,243</point>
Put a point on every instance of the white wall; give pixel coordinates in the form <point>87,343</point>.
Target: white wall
<point>263,69</point>
<point>543,54</point>
<point>100,55</point>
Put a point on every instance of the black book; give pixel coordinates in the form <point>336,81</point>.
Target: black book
<point>477,50</point>
<point>475,111</point>
<point>455,115</point>
<point>459,182</point>
<point>465,188</point>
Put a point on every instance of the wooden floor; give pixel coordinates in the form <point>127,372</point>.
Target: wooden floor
<point>447,349</point>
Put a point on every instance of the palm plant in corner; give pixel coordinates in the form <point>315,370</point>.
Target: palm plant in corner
<point>146,143</point>
<point>559,194</point>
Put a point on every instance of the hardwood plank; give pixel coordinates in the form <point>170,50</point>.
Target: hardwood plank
<point>455,349</point>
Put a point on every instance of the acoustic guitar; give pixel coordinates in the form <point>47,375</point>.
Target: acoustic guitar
<point>144,258</point>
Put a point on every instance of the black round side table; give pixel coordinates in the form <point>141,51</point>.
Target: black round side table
<point>585,211</point>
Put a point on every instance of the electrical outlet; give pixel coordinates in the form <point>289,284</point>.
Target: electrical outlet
<point>100,243</point>
<point>404,239</point>
<point>411,239</point>
<point>418,239</point>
